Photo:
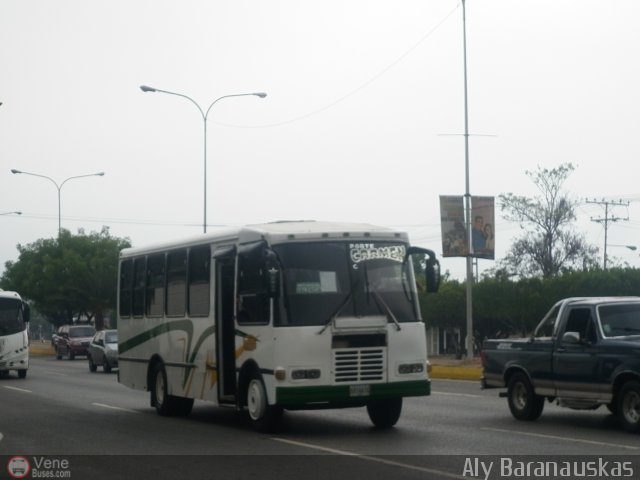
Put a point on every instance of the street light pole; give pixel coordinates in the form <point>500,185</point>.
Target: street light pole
<point>467,195</point>
<point>58,187</point>
<point>205,115</point>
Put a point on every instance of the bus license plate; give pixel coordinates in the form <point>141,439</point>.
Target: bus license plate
<point>359,390</point>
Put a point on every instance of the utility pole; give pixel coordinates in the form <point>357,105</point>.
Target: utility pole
<point>605,221</point>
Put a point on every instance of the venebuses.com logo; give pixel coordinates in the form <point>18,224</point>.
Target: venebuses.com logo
<point>18,467</point>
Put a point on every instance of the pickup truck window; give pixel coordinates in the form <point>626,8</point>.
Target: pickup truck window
<point>546,327</point>
<point>580,321</point>
<point>620,320</point>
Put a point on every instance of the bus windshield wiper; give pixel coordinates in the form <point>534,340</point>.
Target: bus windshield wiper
<point>379,300</point>
<point>338,310</point>
<point>385,307</point>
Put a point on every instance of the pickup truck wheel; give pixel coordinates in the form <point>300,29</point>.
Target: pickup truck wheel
<point>629,406</point>
<point>523,402</point>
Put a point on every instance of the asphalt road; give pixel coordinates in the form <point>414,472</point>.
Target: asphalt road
<point>62,411</point>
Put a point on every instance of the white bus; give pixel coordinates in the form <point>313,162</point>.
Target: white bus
<point>14,337</point>
<point>273,317</point>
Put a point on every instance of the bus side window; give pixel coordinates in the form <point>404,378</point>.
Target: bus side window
<point>199,280</point>
<point>154,298</point>
<point>253,300</point>
<point>176,283</point>
<point>139,274</point>
<point>126,288</point>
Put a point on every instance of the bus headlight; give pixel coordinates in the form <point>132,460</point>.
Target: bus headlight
<point>280,374</point>
<point>305,374</point>
<point>410,368</point>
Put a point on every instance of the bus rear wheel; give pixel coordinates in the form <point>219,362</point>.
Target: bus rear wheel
<point>385,413</point>
<point>167,405</point>
<point>264,417</point>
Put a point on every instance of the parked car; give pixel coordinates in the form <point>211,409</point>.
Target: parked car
<point>73,340</point>
<point>103,350</point>
<point>54,337</point>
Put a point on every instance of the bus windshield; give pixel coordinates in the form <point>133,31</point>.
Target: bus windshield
<point>11,320</point>
<point>345,279</point>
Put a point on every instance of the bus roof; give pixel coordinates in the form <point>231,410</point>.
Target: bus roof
<point>279,232</point>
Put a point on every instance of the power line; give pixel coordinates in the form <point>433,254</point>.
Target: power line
<point>355,90</point>
<point>605,221</point>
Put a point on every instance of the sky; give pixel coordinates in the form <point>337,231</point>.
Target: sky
<point>362,120</point>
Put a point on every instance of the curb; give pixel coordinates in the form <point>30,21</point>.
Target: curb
<point>41,350</point>
<point>455,373</point>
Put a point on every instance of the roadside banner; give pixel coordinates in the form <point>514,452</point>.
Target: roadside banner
<point>455,240</point>
<point>482,227</point>
<point>454,234</point>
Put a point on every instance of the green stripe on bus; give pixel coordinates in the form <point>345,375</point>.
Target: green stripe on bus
<point>336,393</point>
<point>177,325</point>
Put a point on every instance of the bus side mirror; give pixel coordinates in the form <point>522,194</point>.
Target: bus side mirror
<point>26,311</point>
<point>272,268</point>
<point>432,268</point>
<point>432,275</point>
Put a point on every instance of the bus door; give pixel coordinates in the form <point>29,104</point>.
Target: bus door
<point>225,328</point>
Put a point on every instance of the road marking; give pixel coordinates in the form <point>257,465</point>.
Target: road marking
<point>468,395</point>
<point>556,437</point>
<point>111,407</point>
<point>53,372</point>
<point>369,458</point>
<point>24,390</point>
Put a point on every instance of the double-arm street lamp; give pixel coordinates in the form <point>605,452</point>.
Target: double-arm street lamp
<point>204,114</point>
<point>58,187</point>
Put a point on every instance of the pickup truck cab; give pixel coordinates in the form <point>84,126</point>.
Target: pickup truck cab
<point>583,354</point>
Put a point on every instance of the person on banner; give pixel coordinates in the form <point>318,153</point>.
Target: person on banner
<point>478,239</point>
<point>490,243</point>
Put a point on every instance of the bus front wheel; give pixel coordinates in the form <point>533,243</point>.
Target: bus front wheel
<point>264,417</point>
<point>385,413</point>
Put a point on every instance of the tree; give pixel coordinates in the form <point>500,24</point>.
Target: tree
<point>549,245</point>
<point>68,277</point>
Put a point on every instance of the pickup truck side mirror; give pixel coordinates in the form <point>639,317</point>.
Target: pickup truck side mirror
<point>571,337</point>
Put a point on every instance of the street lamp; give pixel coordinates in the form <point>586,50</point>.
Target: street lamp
<point>204,115</point>
<point>11,213</point>
<point>630,247</point>
<point>58,187</point>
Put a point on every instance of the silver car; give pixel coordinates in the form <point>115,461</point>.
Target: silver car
<point>103,350</point>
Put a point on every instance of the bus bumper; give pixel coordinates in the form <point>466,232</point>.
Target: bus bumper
<point>349,394</point>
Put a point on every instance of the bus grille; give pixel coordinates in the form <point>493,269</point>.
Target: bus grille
<point>359,365</point>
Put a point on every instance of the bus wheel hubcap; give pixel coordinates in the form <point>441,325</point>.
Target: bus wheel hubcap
<point>255,400</point>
